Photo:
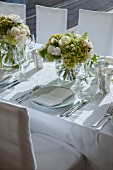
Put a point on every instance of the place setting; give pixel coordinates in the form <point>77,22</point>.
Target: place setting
<point>49,96</point>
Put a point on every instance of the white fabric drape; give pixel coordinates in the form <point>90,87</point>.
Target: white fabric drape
<point>99,26</point>
<point>49,21</point>
<point>13,8</point>
<point>15,143</point>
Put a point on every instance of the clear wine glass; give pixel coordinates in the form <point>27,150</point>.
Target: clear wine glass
<point>26,63</point>
<point>20,58</point>
<point>30,42</point>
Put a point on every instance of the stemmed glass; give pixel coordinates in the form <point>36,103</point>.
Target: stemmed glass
<point>19,54</point>
<point>30,42</point>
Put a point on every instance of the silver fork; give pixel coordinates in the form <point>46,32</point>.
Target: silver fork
<point>108,113</point>
<point>25,96</point>
<point>100,127</point>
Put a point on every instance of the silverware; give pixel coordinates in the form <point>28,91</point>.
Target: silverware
<point>70,109</point>
<point>24,97</point>
<point>82,103</point>
<point>5,78</point>
<point>108,113</point>
<point>9,85</point>
<point>100,127</point>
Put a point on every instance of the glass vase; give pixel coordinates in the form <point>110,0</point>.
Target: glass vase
<point>9,54</point>
<point>65,75</point>
<point>14,57</point>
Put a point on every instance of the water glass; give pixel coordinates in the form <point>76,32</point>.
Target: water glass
<point>31,42</point>
<point>20,58</point>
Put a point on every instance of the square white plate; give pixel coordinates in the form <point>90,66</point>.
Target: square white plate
<point>48,89</point>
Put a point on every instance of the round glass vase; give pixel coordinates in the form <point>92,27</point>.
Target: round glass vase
<point>14,57</point>
<point>65,75</point>
<point>9,56</point>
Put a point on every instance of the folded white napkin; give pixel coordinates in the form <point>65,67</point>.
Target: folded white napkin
<point>109,59</point>
<point>54,97</point>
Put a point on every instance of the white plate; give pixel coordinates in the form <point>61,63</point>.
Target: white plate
<point>5,76</point>
<point>48,89</point>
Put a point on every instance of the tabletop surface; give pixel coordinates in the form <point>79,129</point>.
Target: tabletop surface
<point>77,128</point>
<point>47,76</point>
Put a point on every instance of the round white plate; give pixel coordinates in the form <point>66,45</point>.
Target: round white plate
<point>48,89</point>
<point>5,76</point>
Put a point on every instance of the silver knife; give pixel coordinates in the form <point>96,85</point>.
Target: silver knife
<point>83,103</point>
<point>12,84</point>
<point>7,84</point>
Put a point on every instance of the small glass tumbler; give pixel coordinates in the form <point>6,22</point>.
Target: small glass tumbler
<point>105,80</point>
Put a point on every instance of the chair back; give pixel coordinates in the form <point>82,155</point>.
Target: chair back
<point>13,8</point>
<point>99,26</point>
<point>49,21</point>
<point>15,143</point>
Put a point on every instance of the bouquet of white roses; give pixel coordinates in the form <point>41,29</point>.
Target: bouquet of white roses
<point>71,48</point>
<point>13,34</point>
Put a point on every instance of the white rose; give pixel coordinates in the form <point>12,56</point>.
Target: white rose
<point>88,44</point>
<point>23,31</point>
<point>15,18</point>
<point>53,40</point>
<point>50,48</point>
<point>15,31</point>
<point>21,40</point>
<point>64,40</point>
<point>56,51</point>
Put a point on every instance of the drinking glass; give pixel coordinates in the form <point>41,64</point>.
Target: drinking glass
<point>31,42</point>
<point>93,88</point>
<point>20,58</point>
<point>88,85</point>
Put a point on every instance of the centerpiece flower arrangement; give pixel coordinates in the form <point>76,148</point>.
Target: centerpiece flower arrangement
<point>13,36</point>
<point>71,49</point>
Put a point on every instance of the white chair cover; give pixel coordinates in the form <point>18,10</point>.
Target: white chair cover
<point>16,149</point>
<point>49,21</point>
<point>99,26</point>
<point>13,8</point>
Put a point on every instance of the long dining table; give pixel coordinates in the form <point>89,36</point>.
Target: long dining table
<point>96,146</point>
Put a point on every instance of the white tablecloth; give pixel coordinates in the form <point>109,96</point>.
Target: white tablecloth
<point>76,130</point>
